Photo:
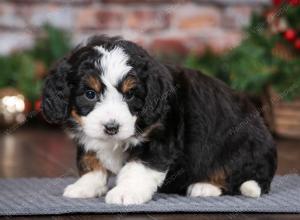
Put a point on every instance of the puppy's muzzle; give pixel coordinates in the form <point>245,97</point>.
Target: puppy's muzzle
<point>111,128</point>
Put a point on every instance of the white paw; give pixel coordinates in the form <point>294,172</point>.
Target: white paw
<point>250,188</point>
<point>83,191</point>
<point>204,190</point>
<point>126,196</point>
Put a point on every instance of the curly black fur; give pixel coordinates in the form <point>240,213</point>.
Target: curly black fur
<point>203,127</point>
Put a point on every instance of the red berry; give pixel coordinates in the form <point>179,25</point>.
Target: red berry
<point>277,2</point>
<point>290,35</point>
<point>37,105</point>
<point>297,44</point>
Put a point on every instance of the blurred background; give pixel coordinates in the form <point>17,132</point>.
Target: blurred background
<point>252,45</point>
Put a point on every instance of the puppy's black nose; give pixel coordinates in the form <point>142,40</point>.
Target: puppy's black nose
<point>111,128</point>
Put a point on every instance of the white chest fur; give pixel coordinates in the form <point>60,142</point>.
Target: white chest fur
<point>111,154</point>
<point>112,158</point>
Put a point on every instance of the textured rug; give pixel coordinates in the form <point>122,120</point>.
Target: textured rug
<point>35,196</point>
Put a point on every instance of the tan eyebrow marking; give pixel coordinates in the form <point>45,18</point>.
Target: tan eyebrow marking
<point>128,84</point>
<point>94,83</point>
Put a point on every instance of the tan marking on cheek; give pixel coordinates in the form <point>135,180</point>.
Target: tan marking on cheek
<point>89,162</point>
<point>218,178</point>
<point>76,117</point>
<point>94,83</point>
<point>128,84</point>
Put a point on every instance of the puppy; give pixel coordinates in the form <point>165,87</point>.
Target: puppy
<point>157,127</point>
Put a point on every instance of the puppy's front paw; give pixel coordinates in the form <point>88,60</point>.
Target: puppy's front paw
<point>126,196</point>
<point>83,191</point>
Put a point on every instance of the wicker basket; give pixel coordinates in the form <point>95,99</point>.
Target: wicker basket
<point>285,116</point>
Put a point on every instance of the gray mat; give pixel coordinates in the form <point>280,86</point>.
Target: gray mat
<point>44,196</point>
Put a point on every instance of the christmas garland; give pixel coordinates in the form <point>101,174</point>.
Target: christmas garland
<point>25,70</point>
<point>290,34</point>
<point>268,56</point>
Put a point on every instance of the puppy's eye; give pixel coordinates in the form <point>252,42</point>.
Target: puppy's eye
<point>129,95</point>
<point>90,94</point>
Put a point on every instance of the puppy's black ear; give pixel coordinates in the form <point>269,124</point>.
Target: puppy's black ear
<point>160,92</point>
<point>56,94</point>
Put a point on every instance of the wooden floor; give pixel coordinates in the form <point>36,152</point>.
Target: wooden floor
<point>49,153</point>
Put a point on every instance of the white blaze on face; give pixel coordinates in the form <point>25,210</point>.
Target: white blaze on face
<point>113,64</point>
<point>112,107</point>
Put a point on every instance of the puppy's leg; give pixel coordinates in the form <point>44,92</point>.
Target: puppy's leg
<point>92,182</point>
<point>90,185</point>
<point>250,188</point>
<point>136,184</point>
<point>212,187</point>
<point>204,190</point>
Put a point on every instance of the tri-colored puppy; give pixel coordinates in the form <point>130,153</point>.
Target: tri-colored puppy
<point>157,127</point>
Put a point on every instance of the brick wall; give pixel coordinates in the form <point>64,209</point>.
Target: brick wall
<point>162,26</point>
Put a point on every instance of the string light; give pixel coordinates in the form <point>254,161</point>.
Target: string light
<point>12,108</point>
